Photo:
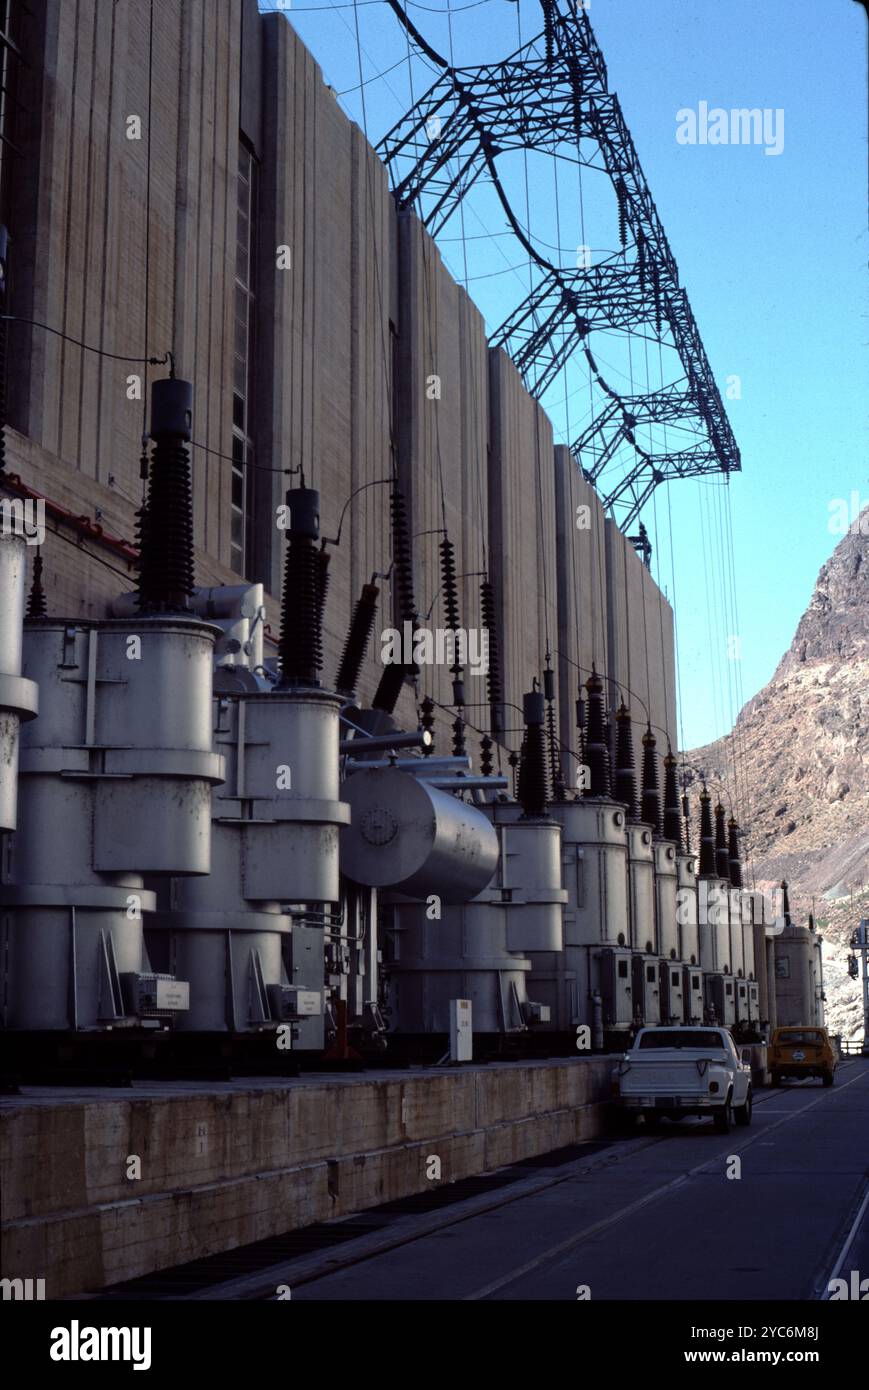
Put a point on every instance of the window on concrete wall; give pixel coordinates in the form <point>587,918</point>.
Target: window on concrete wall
<point>243,425</point>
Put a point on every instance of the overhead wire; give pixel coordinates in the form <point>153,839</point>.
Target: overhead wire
<point>732,642</point>
<point>718,606</point>
<point>88,347</point>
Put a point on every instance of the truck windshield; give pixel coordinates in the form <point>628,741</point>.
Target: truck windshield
<point>682,1037</point>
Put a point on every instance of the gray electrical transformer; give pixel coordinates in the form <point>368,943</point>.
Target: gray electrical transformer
<point>115,778</point>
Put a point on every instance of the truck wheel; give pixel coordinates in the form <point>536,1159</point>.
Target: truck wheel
<point>724,1116</point>
<point>653,1121</point>
<point>742,1113</point>
<point>776,1079</point>
<point>827,1077</point>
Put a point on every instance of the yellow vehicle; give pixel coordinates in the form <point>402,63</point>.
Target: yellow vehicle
<point>802,1051</point>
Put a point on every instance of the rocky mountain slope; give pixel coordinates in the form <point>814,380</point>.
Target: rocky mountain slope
<point>802,746</point>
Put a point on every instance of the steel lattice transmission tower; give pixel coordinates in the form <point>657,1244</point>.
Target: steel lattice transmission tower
<point>548,96</point>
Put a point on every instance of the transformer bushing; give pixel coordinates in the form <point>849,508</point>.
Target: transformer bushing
<point>275,823</point>
<point>595,876</point>
<point>115,782</point>
<point>19,697</point>
<point>483,950</point>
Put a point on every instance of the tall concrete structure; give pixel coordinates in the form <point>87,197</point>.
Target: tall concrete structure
<point>228,212</point>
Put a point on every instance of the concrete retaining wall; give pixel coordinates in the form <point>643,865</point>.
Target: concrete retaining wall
<point>230,1163</point>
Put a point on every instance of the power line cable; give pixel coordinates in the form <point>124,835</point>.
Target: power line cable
<point>163,361</point>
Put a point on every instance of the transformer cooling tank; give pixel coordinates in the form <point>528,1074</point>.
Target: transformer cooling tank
<point>408,836</point>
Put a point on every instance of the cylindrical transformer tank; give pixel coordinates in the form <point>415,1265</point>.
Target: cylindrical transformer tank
<point>666,906</point>
<point>115,782</point>
<point>719,915</point>
<point>666,886</point>
<point>594,861</point>
<point>713,906</point>
<point>234,962</point>
<point>73,957</point>
<point>763,953</point>
<point>416,840</point>
<point>818,1017</point>
<point>18,696</point>
<point>154,728</point>
<point>713,924</point>
<point>748,960</point>
<point>275,841</point>
<point>641,887</point>
<point>689,945</point>
<point>291,773</point>
<point>460,956</point>
<point>480,950</point>
<point>127,708</point>
<point>795,976</point>
<point>736,951</point>
<point>530,879</point>
<point>689,939</point>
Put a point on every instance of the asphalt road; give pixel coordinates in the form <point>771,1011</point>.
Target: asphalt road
<point>659,1217</point>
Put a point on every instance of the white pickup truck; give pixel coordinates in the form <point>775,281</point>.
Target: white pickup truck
<point>684,1071</point>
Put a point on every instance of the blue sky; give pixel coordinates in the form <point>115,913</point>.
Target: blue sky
<point>772,250</point>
